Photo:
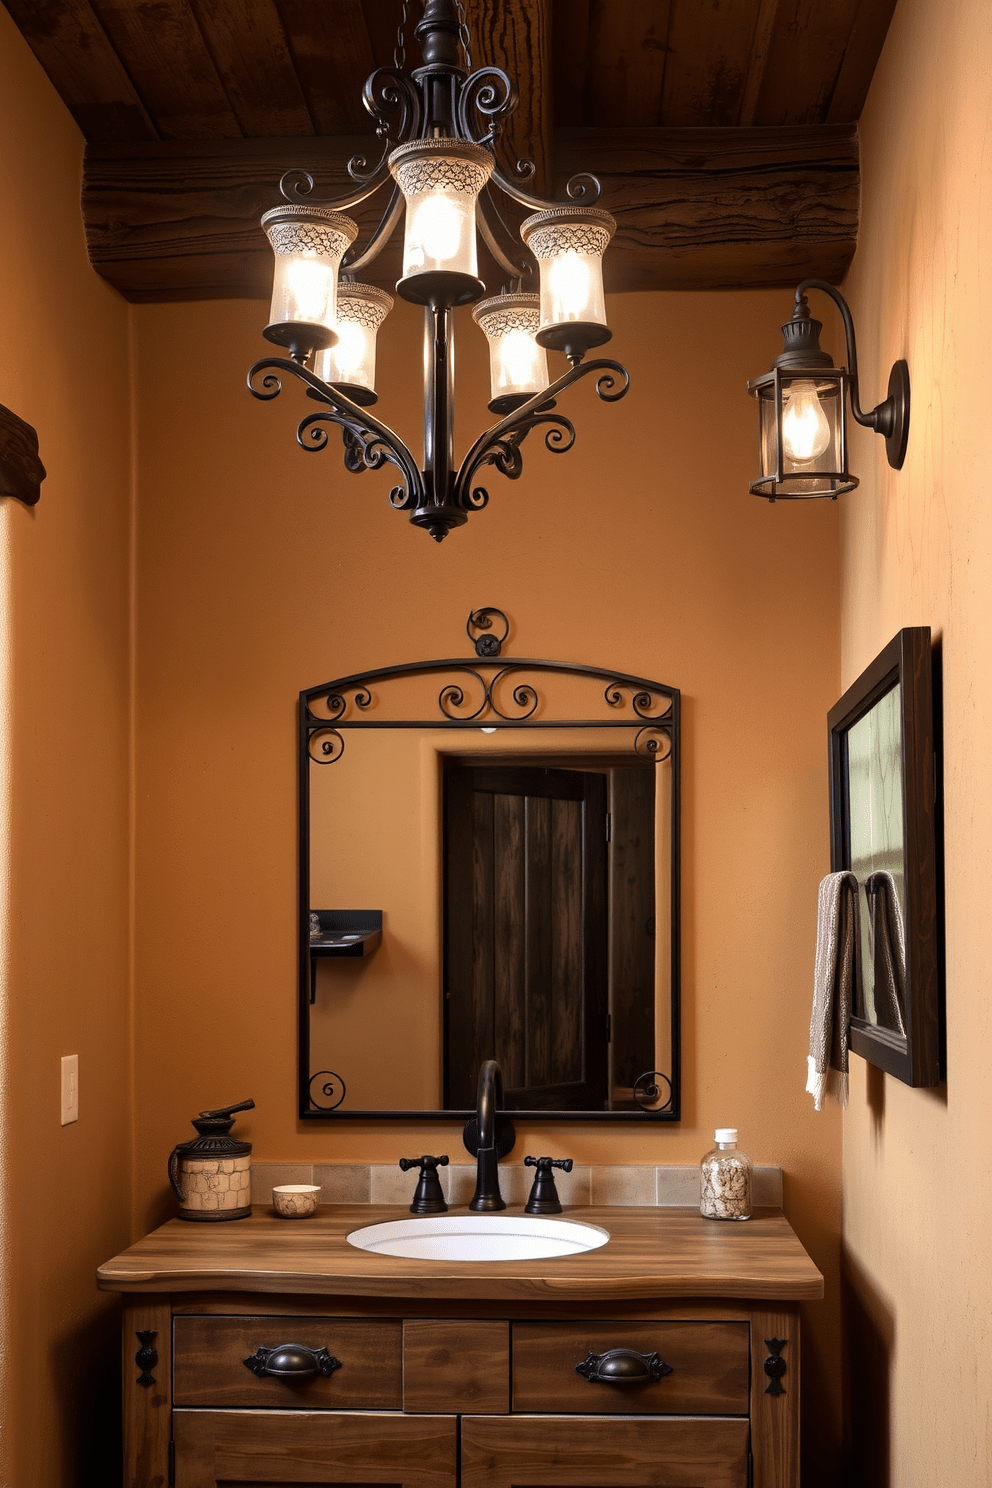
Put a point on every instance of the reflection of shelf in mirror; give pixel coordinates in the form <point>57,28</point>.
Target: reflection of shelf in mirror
<point>342,932</point>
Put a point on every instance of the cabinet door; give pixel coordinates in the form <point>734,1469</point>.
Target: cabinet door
<point>279,1448</point>
<point>603,1452</point>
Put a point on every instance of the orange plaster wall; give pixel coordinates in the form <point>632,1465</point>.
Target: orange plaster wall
<point>263,570</point>
<point>917,550</point>
<point>64,739</point>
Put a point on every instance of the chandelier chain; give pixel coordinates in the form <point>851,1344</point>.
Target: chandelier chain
<point>399,51</point>
<point>464,35</point>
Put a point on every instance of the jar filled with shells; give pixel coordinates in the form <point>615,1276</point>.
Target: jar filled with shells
<point>725,1178</point>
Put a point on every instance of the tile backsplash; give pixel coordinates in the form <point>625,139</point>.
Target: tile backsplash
<point>384,1183</point>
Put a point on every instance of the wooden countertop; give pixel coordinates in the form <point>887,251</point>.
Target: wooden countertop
<point>669,1252</point>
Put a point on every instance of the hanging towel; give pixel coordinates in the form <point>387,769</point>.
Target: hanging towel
<point>833,981</point>
<point>888,950</point>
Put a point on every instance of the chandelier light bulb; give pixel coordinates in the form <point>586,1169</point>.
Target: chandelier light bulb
<point>805,429</point>
<point>524,363</point>
<point>569,287</point>
<point>437,229</point>
<point>349,353</point>
<point>311,284</point>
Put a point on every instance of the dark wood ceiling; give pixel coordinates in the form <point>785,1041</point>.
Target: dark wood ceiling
<point>722,128</point>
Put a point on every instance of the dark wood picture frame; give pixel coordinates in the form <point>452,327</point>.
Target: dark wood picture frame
<point>914,1056</point>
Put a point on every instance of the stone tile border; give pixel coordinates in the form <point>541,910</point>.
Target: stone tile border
<point>625,1184</point>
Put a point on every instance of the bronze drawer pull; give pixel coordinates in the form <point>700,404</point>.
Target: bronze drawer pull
<point>622,1367</point>
<point>291,1361</point>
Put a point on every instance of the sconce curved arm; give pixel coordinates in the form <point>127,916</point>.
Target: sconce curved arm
<point>889,418</point>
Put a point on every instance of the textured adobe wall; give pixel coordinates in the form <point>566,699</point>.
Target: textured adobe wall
<point>64,894</point>
<point>917,550</point>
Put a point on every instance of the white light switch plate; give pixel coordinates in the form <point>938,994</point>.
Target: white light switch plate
<point>70,1088</point>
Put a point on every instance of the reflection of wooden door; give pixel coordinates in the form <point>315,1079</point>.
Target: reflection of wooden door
<point>525,935</point>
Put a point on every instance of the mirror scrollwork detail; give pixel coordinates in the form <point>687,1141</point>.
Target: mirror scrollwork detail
<point>518,822</point>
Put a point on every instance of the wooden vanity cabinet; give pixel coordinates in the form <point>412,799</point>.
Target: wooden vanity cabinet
<point>456,1401</point>
<point>441,1379</point>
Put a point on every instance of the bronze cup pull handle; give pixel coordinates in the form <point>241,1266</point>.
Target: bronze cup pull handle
<point>623,1367</point>
<point>292,1362</point>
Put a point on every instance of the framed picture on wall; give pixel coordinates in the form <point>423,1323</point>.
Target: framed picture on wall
<point>883,827</point>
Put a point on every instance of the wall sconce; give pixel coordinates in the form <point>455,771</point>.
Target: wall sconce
<point>802,406</point>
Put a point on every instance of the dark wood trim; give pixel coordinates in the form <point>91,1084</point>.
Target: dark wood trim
<point>147,1407</point>
<point>696,208</point>
<point>775,1417</point>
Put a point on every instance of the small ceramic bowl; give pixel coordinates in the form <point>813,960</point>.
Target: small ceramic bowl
<point>296,1200</point>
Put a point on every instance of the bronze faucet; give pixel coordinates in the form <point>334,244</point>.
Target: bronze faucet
<point>488,1140</point>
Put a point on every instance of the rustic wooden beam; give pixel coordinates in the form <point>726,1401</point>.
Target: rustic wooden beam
<point>722,208</point>
<point>697,208</point>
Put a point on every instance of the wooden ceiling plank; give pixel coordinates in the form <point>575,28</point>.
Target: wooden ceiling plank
<point>382,19</point>
<point>332,54</point>
<point>860,60</point>
<point>249,49</point>
<point>628,57</point>
<point>76,54</point>
<point>761,41</point>
<point>808,45</point>
<point>516,36</point>
<point>697,208</point>
<point>710,43</point>
<point>570,29</point>
<point>167,59</point>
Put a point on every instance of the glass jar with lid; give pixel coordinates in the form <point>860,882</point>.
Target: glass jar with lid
<point>725,1178</point>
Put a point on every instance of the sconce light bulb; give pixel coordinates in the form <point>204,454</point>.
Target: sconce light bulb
<point>805,430</point>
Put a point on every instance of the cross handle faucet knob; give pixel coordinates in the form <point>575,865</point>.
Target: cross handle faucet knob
<point>544,1195</point>
<point>428,1198</point>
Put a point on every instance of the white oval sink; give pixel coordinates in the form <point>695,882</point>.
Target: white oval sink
<point>479,1237</point>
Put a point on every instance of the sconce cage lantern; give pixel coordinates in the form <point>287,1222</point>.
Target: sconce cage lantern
<point>439,126</point>
<point>803,404</point>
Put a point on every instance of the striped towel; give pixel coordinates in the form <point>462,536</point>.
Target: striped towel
<point>833,981</point>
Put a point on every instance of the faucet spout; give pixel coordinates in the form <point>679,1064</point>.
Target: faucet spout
<point>491,1145</point>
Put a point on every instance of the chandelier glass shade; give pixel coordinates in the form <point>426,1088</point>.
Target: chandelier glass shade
<point>349,364</point>
<point>802,410</point>
<point>439,126</point>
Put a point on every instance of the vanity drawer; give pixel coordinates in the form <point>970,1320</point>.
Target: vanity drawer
<point>708,1363</point>
<point>209,1367</point>
<point>631,1452</point>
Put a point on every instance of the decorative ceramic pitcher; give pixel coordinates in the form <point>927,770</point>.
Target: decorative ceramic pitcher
<point>211,1174</point>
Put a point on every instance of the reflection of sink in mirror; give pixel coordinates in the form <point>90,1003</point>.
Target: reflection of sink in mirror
<point>479,1237</point>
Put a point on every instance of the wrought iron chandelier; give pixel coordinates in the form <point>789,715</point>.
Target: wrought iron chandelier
<point>439,126</point>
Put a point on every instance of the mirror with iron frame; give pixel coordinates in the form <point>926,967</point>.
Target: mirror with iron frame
<point>490,869</point>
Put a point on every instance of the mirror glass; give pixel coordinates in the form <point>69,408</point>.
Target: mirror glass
<point>521,847</point>
<point>875,790</point>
